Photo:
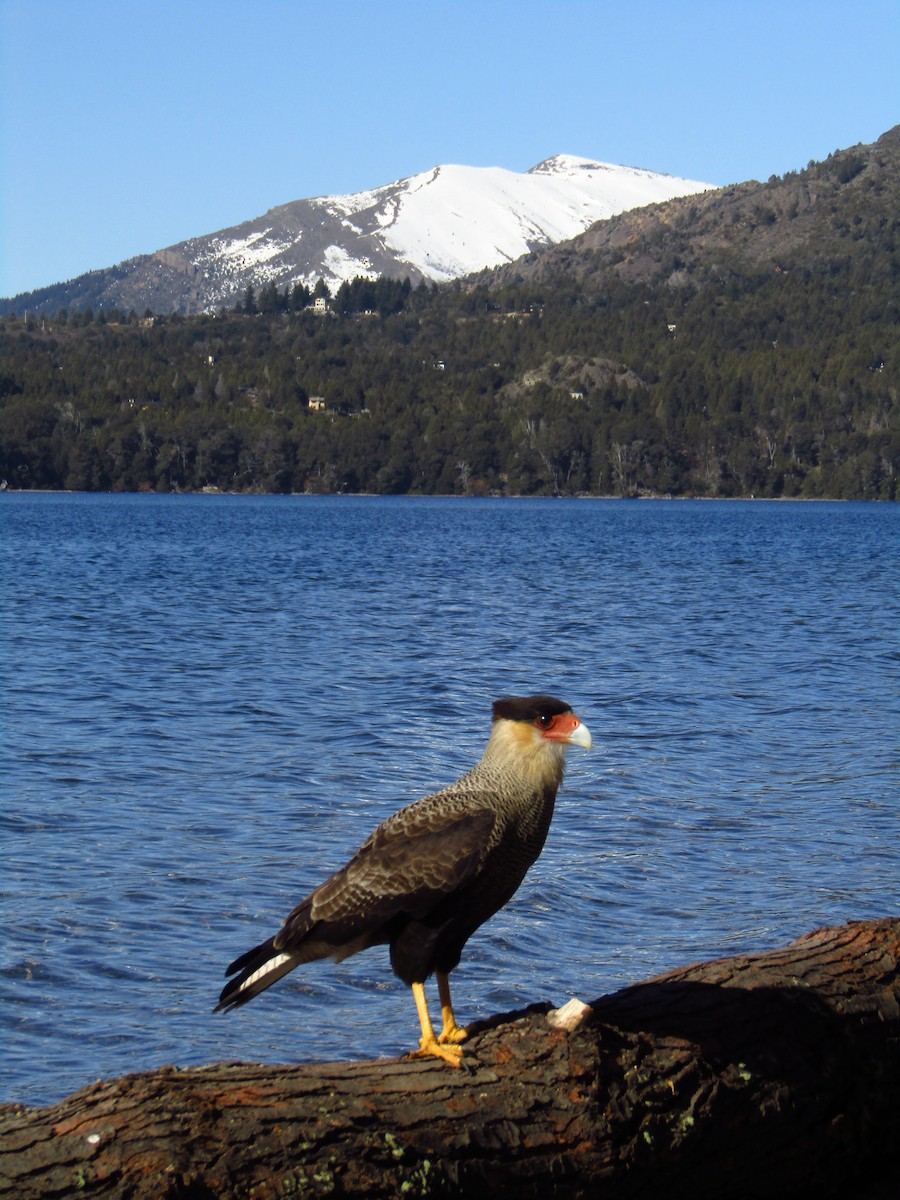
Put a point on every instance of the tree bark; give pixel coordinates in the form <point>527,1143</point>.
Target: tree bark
<point>756,1076</point>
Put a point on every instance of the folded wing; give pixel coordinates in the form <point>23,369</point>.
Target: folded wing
<point>414,860</point>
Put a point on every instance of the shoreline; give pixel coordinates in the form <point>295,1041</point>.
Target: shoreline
<point>214,492</point>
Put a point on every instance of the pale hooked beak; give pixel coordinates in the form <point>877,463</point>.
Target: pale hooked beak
<point>580,736</point>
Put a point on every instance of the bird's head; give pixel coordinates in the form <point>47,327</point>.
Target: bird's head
<point>534,731</point>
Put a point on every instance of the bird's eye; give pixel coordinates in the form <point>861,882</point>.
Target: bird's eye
<point>545,722</point>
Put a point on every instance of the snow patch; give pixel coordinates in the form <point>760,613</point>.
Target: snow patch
<point>340,265</point>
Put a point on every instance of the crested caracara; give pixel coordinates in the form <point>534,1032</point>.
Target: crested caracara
<point>436,870</point>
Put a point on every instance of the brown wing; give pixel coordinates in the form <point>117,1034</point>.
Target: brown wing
<point>415,858</point>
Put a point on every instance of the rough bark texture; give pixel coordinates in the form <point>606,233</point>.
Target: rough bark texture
<point>761,1075</point>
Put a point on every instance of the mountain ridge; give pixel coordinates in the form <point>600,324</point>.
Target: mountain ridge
<point>438,225</point>
<point>745,227</point>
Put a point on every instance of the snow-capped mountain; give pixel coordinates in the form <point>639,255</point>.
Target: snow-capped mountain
<point>439,225</point>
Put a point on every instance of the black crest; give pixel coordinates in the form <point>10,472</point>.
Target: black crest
<point>528,708</point>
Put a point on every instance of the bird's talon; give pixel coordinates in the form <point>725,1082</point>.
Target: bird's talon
<point>433,1049</point>
<point>454,1034</point>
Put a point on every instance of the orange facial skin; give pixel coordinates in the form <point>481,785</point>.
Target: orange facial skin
<point>564,727</point>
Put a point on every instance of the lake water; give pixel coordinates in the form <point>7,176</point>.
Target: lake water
<point>211,700</point>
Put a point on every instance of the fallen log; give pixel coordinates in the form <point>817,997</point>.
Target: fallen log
<point>757,1076</point>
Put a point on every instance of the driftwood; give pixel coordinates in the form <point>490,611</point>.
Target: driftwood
<point>763,1075</point>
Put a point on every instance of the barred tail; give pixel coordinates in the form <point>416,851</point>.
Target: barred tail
<point>259,968</point>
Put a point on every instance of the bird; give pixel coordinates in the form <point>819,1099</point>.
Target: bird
<point>432,873</point>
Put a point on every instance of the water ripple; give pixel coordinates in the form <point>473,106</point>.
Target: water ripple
<point>211,700</point>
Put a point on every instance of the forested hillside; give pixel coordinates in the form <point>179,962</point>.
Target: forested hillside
<point>744,342</point>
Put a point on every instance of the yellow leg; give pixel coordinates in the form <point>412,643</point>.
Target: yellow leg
<point>451,1031</point>
<point>428,1043</point>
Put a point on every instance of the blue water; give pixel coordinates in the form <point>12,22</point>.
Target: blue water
<point>210,701</point>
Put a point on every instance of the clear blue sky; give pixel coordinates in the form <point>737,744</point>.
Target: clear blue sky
<point>128,125</point>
